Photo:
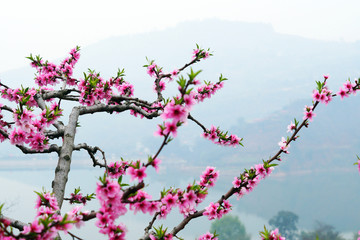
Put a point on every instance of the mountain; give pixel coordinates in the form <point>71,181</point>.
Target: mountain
<point>266,70</point>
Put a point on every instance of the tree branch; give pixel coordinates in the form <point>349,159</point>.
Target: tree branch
<point>40,101</point>
<point>62,94</point>
<point>197,122</point>
<point>100,107</point>
<point>92,151</point>
<point>14,223</point>
<point>64,162</point>
<point>52,148</point>
<point>54,134</point>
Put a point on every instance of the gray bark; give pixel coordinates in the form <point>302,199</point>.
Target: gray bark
<point>63,167</point>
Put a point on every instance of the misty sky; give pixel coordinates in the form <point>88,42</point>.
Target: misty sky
<point>52,28</point>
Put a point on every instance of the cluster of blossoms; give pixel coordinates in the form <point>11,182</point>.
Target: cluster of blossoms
<point>284,145</point>
<point>160,234</point>
<point>209,177</point>
<point>273,235</point>
<point>174,115</point>
<point>250,179</point>
<point>3,125</point>
<point>117,169</point>
<point>25,96</point>
<point>208,236</point>
<point>308,113</point>
<point>320,94</point>
<point>141,201</point>
<point>168,236</point>
<point>188,199</point>
<point>47,223</point>
<point>221,138</point>
<point>77,197</point>
<point>348,88</point>
<point>291,127</point>
<point>217,210</point>
<point>176,111</point>
<point>49,73</point>
<point>94,89</point>
<point>134,169</point>
<point>324,95</point>
<point>137,172</point>
<point>152,69</point>
<point>200,53</point>
<point>30,127</point>
<point>109,194</point>
<point>208,90</point>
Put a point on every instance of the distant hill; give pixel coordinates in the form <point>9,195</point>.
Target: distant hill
<point>266,70</point>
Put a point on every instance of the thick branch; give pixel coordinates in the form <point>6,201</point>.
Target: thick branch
<point>54,134</point>
<point>52,148</point>
<point>14,223</point>
<point>61,94</point>
<point>132,189</point>
<point>116,108</point>
<point>120,98</point>
<point>64,162</point>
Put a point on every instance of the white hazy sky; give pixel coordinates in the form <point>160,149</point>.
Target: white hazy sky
<point>51,28</point>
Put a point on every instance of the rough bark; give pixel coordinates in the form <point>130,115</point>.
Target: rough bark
<point>63,167</point>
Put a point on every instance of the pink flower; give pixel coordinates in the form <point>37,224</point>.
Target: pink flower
<point>236,183</point>
<point>283,145</point>
<point>34,227</point>
<point>137,173</point>
<point>189,100</point>
<point>155,163</point>
<point>291,127</point>
<point>162,86</point>
<point>349,86</point>
<point>151,70</point>
<point>211,211</point>
<point>169,200</point>
<point>175,111</point>
<point>209,177</point>
<point>308,113</point>
<point>159,131</point>
<point>260,170</point>
<point>275,235</point>
<point>153,207</point>
<point>343,93</point>
<point>316,95</point>
<point>195,53</point>
<point>116,169</point>
<point>190,196</point>
<point>207,236</point>
<point>175,72</point>
<point>170,127</point>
